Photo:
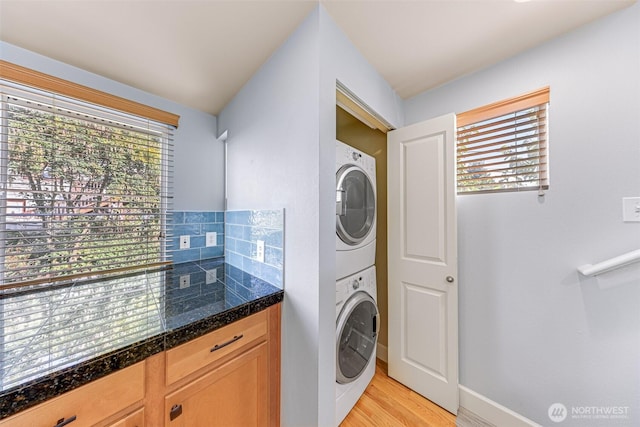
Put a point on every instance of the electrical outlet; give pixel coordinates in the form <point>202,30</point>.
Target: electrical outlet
<point>212,276</point>
<point>185,281</point>
<point>260,250</point>
<point>185,242</point>
<point>631,209</point>
<point>211,239</point>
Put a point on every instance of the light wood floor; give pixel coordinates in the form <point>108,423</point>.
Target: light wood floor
<point>386,402</point>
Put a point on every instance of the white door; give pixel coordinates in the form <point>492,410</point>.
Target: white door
<point>422,255</point>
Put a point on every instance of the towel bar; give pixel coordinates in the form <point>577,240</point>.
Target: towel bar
<point>610,264</point>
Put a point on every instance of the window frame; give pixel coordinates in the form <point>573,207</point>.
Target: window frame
<point>514,105</point>
<point>36,81</point>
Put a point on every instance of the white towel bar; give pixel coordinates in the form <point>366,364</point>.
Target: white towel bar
<point>610,264</point>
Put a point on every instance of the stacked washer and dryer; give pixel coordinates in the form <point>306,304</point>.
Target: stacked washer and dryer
<point>357,319</point>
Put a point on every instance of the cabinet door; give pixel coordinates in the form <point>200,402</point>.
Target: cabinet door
<point>135,419</point>
<point>235,394</point>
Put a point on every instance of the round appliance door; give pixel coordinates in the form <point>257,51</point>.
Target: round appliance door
<point>355,204</point>
<point>357,335</point>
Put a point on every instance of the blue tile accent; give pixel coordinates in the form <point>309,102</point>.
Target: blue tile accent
<point>212,252</point>
<point>184,255</point>
<point>242,231</point>
<point>230,244</point>
<point>177,217</point>
<point>243,248</point>
<point>233,259</point>
<point>217,227</point>
<point>233,230</point>
<point>197,242</point>
<point>196,224</point>
<point>190,229</point>
<point>273,256</point>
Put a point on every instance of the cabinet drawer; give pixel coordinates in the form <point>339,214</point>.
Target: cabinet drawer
<point>89,404</point>
<point>198,353</point>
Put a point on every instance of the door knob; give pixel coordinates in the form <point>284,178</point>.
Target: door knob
<point>450,279</point>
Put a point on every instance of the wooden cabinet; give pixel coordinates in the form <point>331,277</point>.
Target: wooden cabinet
<point>86,405</point>
<point>234,394</point>
<point>229,377</point>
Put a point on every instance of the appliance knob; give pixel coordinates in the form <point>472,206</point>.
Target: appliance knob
<point>354,155</point>
<point>355,284</point>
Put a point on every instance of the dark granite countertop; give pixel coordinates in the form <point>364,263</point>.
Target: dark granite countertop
<point>55,339</point>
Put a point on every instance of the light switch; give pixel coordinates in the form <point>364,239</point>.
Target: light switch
<point>260,250</point>
<point>631,209</point>
<point>211,238</point>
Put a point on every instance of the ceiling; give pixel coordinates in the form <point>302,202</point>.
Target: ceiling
<point>199,53</point>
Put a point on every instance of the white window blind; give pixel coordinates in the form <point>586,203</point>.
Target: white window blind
<point>84,189</point>
<point>504,146</point>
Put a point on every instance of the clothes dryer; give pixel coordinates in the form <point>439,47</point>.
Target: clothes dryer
<point>355,210</point>
<point>357,327</point>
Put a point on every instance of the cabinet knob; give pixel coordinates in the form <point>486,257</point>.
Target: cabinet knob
<point>175,412</point>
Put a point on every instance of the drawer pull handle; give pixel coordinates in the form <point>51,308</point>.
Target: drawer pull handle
<point>62,422</point>
<point>224,344</point>
<point>175,412</point>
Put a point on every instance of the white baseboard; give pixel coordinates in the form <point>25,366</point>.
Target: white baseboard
<point>478,404</point>
<point>382,352</point>
<point>491,411</point>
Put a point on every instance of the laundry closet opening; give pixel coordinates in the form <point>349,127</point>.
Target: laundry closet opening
<point>373,142</point>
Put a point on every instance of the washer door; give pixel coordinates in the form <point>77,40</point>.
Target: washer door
<point>355,204</point>
<point>357,335</point>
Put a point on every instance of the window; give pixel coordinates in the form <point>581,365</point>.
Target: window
<point>84,187</point>
<point>504,146</point>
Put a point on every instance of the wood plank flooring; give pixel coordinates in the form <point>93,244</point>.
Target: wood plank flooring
<point>386,402</point>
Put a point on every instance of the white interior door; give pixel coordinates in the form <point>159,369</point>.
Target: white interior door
<point>422,255</point>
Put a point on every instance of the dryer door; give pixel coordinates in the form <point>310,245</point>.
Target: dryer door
<point>357,335</point>
<point>355,204</point>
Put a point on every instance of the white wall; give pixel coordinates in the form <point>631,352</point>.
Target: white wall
<point>198,161</point>
<point>272,128</point>
<point>339,60</point>
<point>532,331</point>
<point>282,154</point>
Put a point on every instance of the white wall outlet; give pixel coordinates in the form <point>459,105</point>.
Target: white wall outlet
<point>185,281</point>
<point>185,242</point>
<point>260,250</point>
<point>212,276</point>
<point>211,238</point>
<point>631,209</point>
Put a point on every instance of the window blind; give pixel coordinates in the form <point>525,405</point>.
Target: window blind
<point>85,190</point>
<point>504,146</point>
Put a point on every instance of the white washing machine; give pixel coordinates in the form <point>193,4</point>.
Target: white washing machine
<point>357,327</point>
<point>355,210</point>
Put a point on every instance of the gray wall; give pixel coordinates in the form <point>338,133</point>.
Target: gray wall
<point>199,160</point>
<point>532,331</point>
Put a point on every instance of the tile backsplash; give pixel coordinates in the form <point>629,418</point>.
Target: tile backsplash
<point>196,224</point>
<point>243,230</point>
